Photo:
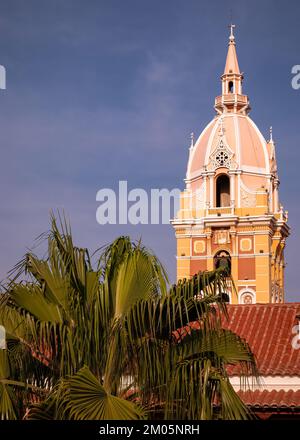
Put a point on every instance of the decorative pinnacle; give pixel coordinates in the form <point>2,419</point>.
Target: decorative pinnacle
<point>271,134</point>
<point>231,37</point>
<point>192,139</point>
<point>221,131</point>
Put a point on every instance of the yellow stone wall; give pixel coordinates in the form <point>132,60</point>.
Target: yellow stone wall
<point>266,254</point>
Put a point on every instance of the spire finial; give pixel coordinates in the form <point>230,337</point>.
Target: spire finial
<point>271,134</point>
<point>231,37</point>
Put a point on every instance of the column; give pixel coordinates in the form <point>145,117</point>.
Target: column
<point>271,207</point>
<point>232,192</point>
<point>239,190</point>
<point>211,190</point>
<point>206,199</point>
<point>276,198</point>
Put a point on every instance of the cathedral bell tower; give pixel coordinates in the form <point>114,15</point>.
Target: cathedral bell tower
<point>230,212</point>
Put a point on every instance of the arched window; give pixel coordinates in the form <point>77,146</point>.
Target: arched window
<point>223,191</point>
<point>222,260</point>
<point>230,87</point>
<point>247,299</point>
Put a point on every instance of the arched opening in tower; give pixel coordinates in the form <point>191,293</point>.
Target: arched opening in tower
<point>223,191</point>
<point>230,87</point>
<point>222,260</point>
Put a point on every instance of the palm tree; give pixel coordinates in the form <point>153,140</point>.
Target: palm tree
<point>112,342</point>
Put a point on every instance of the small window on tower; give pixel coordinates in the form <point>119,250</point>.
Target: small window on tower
<point>222,191</point>
<point>230,87</point>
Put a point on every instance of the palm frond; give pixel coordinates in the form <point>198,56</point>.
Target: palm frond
<point>84,398</point>
<point>78,337</point>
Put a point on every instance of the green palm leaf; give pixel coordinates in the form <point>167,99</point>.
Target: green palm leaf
<point>84,398</point>
<point>8,409</point>
<point>121,323</point>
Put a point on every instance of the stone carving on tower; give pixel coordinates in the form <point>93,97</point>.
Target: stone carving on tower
<point>248,197</point>
<point>222,155</point>
<point>221,236</point>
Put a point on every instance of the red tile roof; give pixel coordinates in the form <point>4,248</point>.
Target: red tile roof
<point>268,330</point>
<point>271,399</point>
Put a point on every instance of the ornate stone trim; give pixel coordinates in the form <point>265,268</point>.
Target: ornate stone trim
<point>221,157</point>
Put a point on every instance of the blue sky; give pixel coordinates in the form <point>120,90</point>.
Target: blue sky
<point>99,91</point>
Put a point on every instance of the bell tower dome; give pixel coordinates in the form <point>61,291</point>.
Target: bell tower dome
<point>230,208</point>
